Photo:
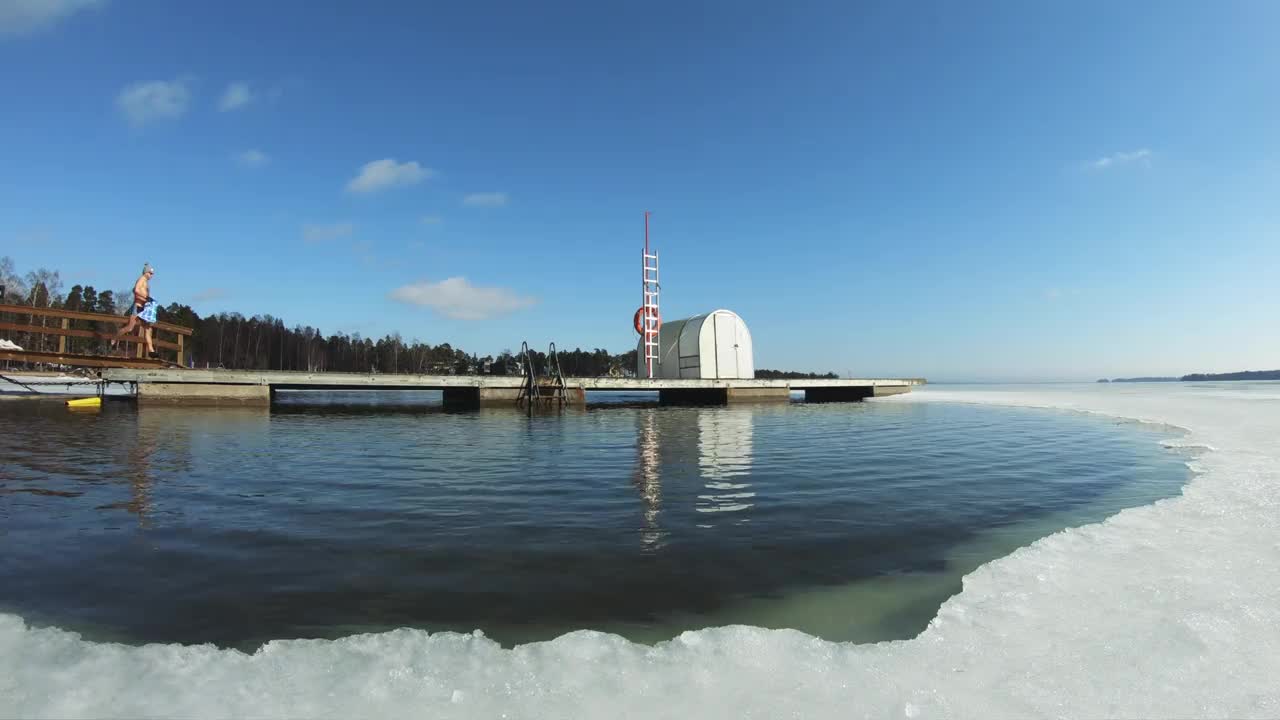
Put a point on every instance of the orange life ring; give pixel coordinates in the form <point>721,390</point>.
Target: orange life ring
<point>638,320</point>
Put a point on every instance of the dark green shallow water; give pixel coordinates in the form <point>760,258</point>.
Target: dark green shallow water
<point>343,512</point>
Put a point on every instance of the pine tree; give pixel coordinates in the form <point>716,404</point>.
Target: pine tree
<point>105,304</point>
<point>75,298</point>
<point>74,302</point>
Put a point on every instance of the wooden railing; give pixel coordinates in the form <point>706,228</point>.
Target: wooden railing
<point>63,330</point>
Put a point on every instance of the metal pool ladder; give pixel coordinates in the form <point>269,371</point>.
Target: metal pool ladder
<point>539,390</point>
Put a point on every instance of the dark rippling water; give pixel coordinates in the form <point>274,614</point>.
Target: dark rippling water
<point>344,512</point>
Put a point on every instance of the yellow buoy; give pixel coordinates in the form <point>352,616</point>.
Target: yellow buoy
<point>91,402</point>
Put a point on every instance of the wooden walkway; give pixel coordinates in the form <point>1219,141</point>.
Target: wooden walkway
<point>132,357</point>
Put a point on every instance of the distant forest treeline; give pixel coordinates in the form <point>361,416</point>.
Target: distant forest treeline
<point>1202,377</point>
<point>766,374</point>
<point>263,342</point>
<point>1245,375</point>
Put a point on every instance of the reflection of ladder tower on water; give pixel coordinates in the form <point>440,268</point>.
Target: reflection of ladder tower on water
<point>649,317</point>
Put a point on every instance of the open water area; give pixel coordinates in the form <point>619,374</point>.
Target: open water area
<point>347,512</point>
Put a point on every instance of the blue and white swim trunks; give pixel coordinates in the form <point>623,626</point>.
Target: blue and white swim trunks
<point>147,313</point>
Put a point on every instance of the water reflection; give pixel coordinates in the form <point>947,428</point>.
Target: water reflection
<point>161,447</point>
<point>724,460</point>
<point>648,476</point>
<point>721,450</point>
<point>138,468</point>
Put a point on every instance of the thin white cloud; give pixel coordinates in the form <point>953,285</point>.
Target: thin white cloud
<point>236,96</point>
<point>1142,155</point>
<point>386,173</point>
<point>24,16</point>
<point>485,199</point>
<point>253,158</point>
<point>314,233</point>
<point>458,299</point>
<point>431,219</point>
<point>145,102</point>
<point>209,294</point>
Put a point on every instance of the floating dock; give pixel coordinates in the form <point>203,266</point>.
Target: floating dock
<point>252,387</point>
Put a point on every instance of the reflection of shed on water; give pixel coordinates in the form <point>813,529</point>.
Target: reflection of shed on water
<point>724,454</point>
<point>648,476</point>
<point>724,442</point>
<point>713,345</point>
<point>724,459</point>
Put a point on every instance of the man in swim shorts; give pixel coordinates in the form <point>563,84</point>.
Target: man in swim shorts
<point>144,310</point>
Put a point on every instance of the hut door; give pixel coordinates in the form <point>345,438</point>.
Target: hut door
<point>726,346</point>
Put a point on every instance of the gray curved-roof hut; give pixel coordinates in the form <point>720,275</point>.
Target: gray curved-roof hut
<point>714,345</point>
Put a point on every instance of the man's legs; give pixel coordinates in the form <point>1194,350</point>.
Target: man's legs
<point>133,322</point>
<point>146,333</point>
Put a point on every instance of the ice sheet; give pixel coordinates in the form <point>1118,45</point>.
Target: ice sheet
<point>1168,610</point>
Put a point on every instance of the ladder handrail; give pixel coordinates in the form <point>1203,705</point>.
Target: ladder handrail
<point>529,392</point>
<point>553,371</point>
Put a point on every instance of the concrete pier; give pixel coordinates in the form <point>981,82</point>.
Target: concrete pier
<point>164,393</point>
<point>692,396</point>
<point>723,395</point>
<point>253,387</point>
<point>756,394</point>
<point>838,394</point>
<point>474,397</point>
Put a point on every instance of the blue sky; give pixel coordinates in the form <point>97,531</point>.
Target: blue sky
<point>955,190</point>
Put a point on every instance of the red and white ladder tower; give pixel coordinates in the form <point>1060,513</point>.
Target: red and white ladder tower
<point>650,319</point>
